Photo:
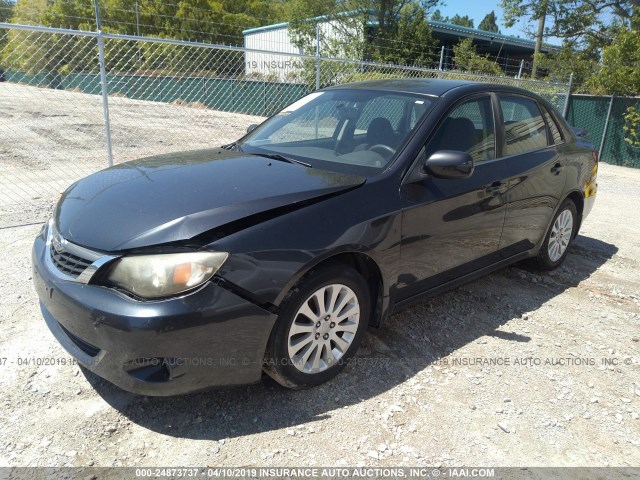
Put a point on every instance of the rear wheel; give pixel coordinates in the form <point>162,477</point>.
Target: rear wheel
<point>559,238</point>
<point>320,327</point>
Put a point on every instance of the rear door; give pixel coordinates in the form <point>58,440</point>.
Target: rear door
<point>530,147</point>
<point>451,227</point>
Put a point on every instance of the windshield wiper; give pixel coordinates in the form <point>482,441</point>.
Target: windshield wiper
<point>231,146</point>
<point>282,158</point>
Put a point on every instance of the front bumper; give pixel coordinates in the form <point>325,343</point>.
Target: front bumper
<point>210,337</point>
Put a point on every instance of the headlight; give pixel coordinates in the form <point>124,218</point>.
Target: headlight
<point>155,276</point>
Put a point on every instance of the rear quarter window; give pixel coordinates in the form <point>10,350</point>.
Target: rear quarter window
<point>555,133</point>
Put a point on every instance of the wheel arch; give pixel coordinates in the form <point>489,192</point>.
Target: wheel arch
<point>577,198</point>
<point>364,264</point>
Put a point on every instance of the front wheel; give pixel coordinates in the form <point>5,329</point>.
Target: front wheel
<point>320,327</point>
<point>556,245</point>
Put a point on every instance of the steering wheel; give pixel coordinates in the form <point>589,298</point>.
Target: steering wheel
<point>386,149</point>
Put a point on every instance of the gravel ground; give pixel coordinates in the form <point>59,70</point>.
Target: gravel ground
<point>515,369</point>
<point>507,371</point>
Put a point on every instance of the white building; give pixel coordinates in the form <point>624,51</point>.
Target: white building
<point>271,38</point>
<point>335,39</point>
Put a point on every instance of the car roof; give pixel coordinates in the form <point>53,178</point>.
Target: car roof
<point>425,86</point>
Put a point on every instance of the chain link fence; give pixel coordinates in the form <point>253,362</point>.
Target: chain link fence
<point>613,125</point>
<point>162,95</point>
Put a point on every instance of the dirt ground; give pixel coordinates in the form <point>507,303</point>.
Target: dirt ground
<point>511,370</point>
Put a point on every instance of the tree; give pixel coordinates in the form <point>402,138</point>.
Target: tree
<point>534,11</point>
<point>588,24</point>
<point>401,33</point>
<point>69,14</point>
<point>213,21</point>
<point>568,60</point>
<point>466,58</point>
<point>620,73</point>
<point>437,16</point>
<point>631,126</point>
<point>463,21</point>
<point>347,32</point>
<point>6,10</point>
<point>410,41</point>
<point>544,6</point>
<point>24,50</point>
<point>489,23</point>
<point>585,22</point>
<point>27,11</point>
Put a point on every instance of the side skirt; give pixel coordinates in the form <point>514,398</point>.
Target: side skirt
<point>450,285</point>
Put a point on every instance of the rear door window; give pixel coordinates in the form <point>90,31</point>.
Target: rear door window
<point>524,127</point>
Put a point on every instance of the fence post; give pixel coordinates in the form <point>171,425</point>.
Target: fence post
<point>103,82</point>
<point>565,110</point>
<point>606,127</point>
<point>318,56</point>
<point>441,62</point>
<point>520,69</point>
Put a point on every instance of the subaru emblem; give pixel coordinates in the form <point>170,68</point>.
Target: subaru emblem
<point>57,241</point>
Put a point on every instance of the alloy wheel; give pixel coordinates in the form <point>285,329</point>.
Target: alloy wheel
<point>324,328</point>
<point>560,235</point>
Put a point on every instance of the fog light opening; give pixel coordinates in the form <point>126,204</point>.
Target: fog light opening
<point>152,370</point>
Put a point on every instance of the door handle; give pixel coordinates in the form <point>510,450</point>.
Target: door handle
<point>556,169</point>
<point>495,188</point>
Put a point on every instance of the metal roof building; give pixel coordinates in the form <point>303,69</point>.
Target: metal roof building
<point>508,50</point>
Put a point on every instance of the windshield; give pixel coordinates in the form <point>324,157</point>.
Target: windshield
<point>347,130</point>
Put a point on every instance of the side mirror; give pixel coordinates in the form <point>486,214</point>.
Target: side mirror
<point>449,164</point>
<point>252,127</point>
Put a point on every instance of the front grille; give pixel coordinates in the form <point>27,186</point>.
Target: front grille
<point>86,347</point>
<point>68,263</point>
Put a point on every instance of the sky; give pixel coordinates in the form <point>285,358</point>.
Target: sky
<point>477,9</point>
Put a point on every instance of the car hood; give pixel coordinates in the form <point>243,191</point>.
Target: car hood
<point>175,197</point>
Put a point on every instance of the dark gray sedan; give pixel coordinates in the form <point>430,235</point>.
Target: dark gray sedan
<point>275,253</point>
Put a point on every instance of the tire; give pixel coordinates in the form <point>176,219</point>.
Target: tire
<point>311,343</point>
<point>559,237</point>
